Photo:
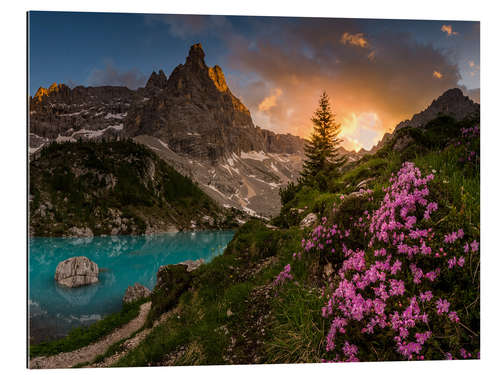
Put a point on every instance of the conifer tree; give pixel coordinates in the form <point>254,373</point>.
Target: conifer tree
<point>321,150</point>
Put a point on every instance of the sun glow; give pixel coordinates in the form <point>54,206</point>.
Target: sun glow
<point>361,130</point>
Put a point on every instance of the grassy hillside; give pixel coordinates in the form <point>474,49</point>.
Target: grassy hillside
<point>389,272</point>
<point>114,187</point>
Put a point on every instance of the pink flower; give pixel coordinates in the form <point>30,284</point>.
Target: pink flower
<point>396,267</point>
<point>442,306</point>
<point>453,316</point>
<point>350,351</point>
<point>283,276</point>
<point>426,296</point>
<point>474,246</point>
<point>397,287</point>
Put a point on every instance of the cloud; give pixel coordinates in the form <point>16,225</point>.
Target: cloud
<point>354,39</point>
<point>474,94</point>
<point>112,76</point>
<point>305,57</point>
<point>186,26</point>
<point>474,68</point>
<point>437,74</point>
<point>448,30</point>
<point>270,101</point>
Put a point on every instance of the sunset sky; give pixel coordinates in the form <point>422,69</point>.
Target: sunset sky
<point>377,72</point>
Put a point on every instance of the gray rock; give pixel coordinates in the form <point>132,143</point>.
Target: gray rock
<point>402,143</point>
<point>80,232</point>
<point>77,271</point>
<point>309,220</point>
<point>136,292</point>
<point>363,184</point>
<point>192,264</point>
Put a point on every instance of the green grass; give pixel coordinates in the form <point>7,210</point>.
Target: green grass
<point>298,330</point>
<point>83,336</point>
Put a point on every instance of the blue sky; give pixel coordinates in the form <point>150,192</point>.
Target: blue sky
<point>377,72</point>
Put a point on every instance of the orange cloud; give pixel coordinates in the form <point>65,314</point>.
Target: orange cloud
<point>394,88</point>
<point>270,101</point>
<point>354,39</point>
<point>448,30</point>
<point>474,67</point>
<point>437,75</point>
<point>371,55</point>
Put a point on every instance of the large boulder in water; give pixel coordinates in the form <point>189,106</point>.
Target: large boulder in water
<point>136,292</point>
<point>77,271</point>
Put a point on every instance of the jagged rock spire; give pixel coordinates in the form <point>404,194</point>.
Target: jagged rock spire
<point>157,80</point>
<point>196,56</point>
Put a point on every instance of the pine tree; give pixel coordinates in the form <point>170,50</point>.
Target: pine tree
<point>321,150</point>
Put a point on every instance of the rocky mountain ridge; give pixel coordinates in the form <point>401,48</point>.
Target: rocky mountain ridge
<point>191,119</point>
<point>196,114</point>
<point>452,103</point>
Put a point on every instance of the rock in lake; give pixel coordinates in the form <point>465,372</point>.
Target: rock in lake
<point>136,292</point>
<point>77,271</point>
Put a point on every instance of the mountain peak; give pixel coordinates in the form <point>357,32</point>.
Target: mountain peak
<point>451,103</point>
<point>54,88</point>
<point>196,55</point>
<point>157,80</point>
<point>217,76</point>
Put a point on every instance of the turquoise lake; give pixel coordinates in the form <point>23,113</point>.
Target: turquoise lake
<point>122,260</point>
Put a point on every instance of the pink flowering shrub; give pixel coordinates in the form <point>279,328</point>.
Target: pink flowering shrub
<point>405,283</point>
<point>283,276</point>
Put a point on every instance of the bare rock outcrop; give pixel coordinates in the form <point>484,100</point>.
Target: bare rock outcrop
<point>136,292</point>
<point>309,220</point>
<point>192,264</point>
<point>197,115</point>
<point>77,271</point>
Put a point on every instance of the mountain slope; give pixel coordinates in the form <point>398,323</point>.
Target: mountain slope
<point>191,119</point>
<point>452,103</point>
<point>116,187</point>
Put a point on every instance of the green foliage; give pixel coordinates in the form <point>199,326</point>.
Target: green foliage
<point>321,150</point>
<point>173,280</point>
<point>297,334</point>
<point>362,171</point>
<point>287,193</point>
<point>254,241</point>
<point>86,184</point>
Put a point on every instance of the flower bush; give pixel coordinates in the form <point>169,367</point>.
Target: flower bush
<point>404,286</point>
<point>283,276</point>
